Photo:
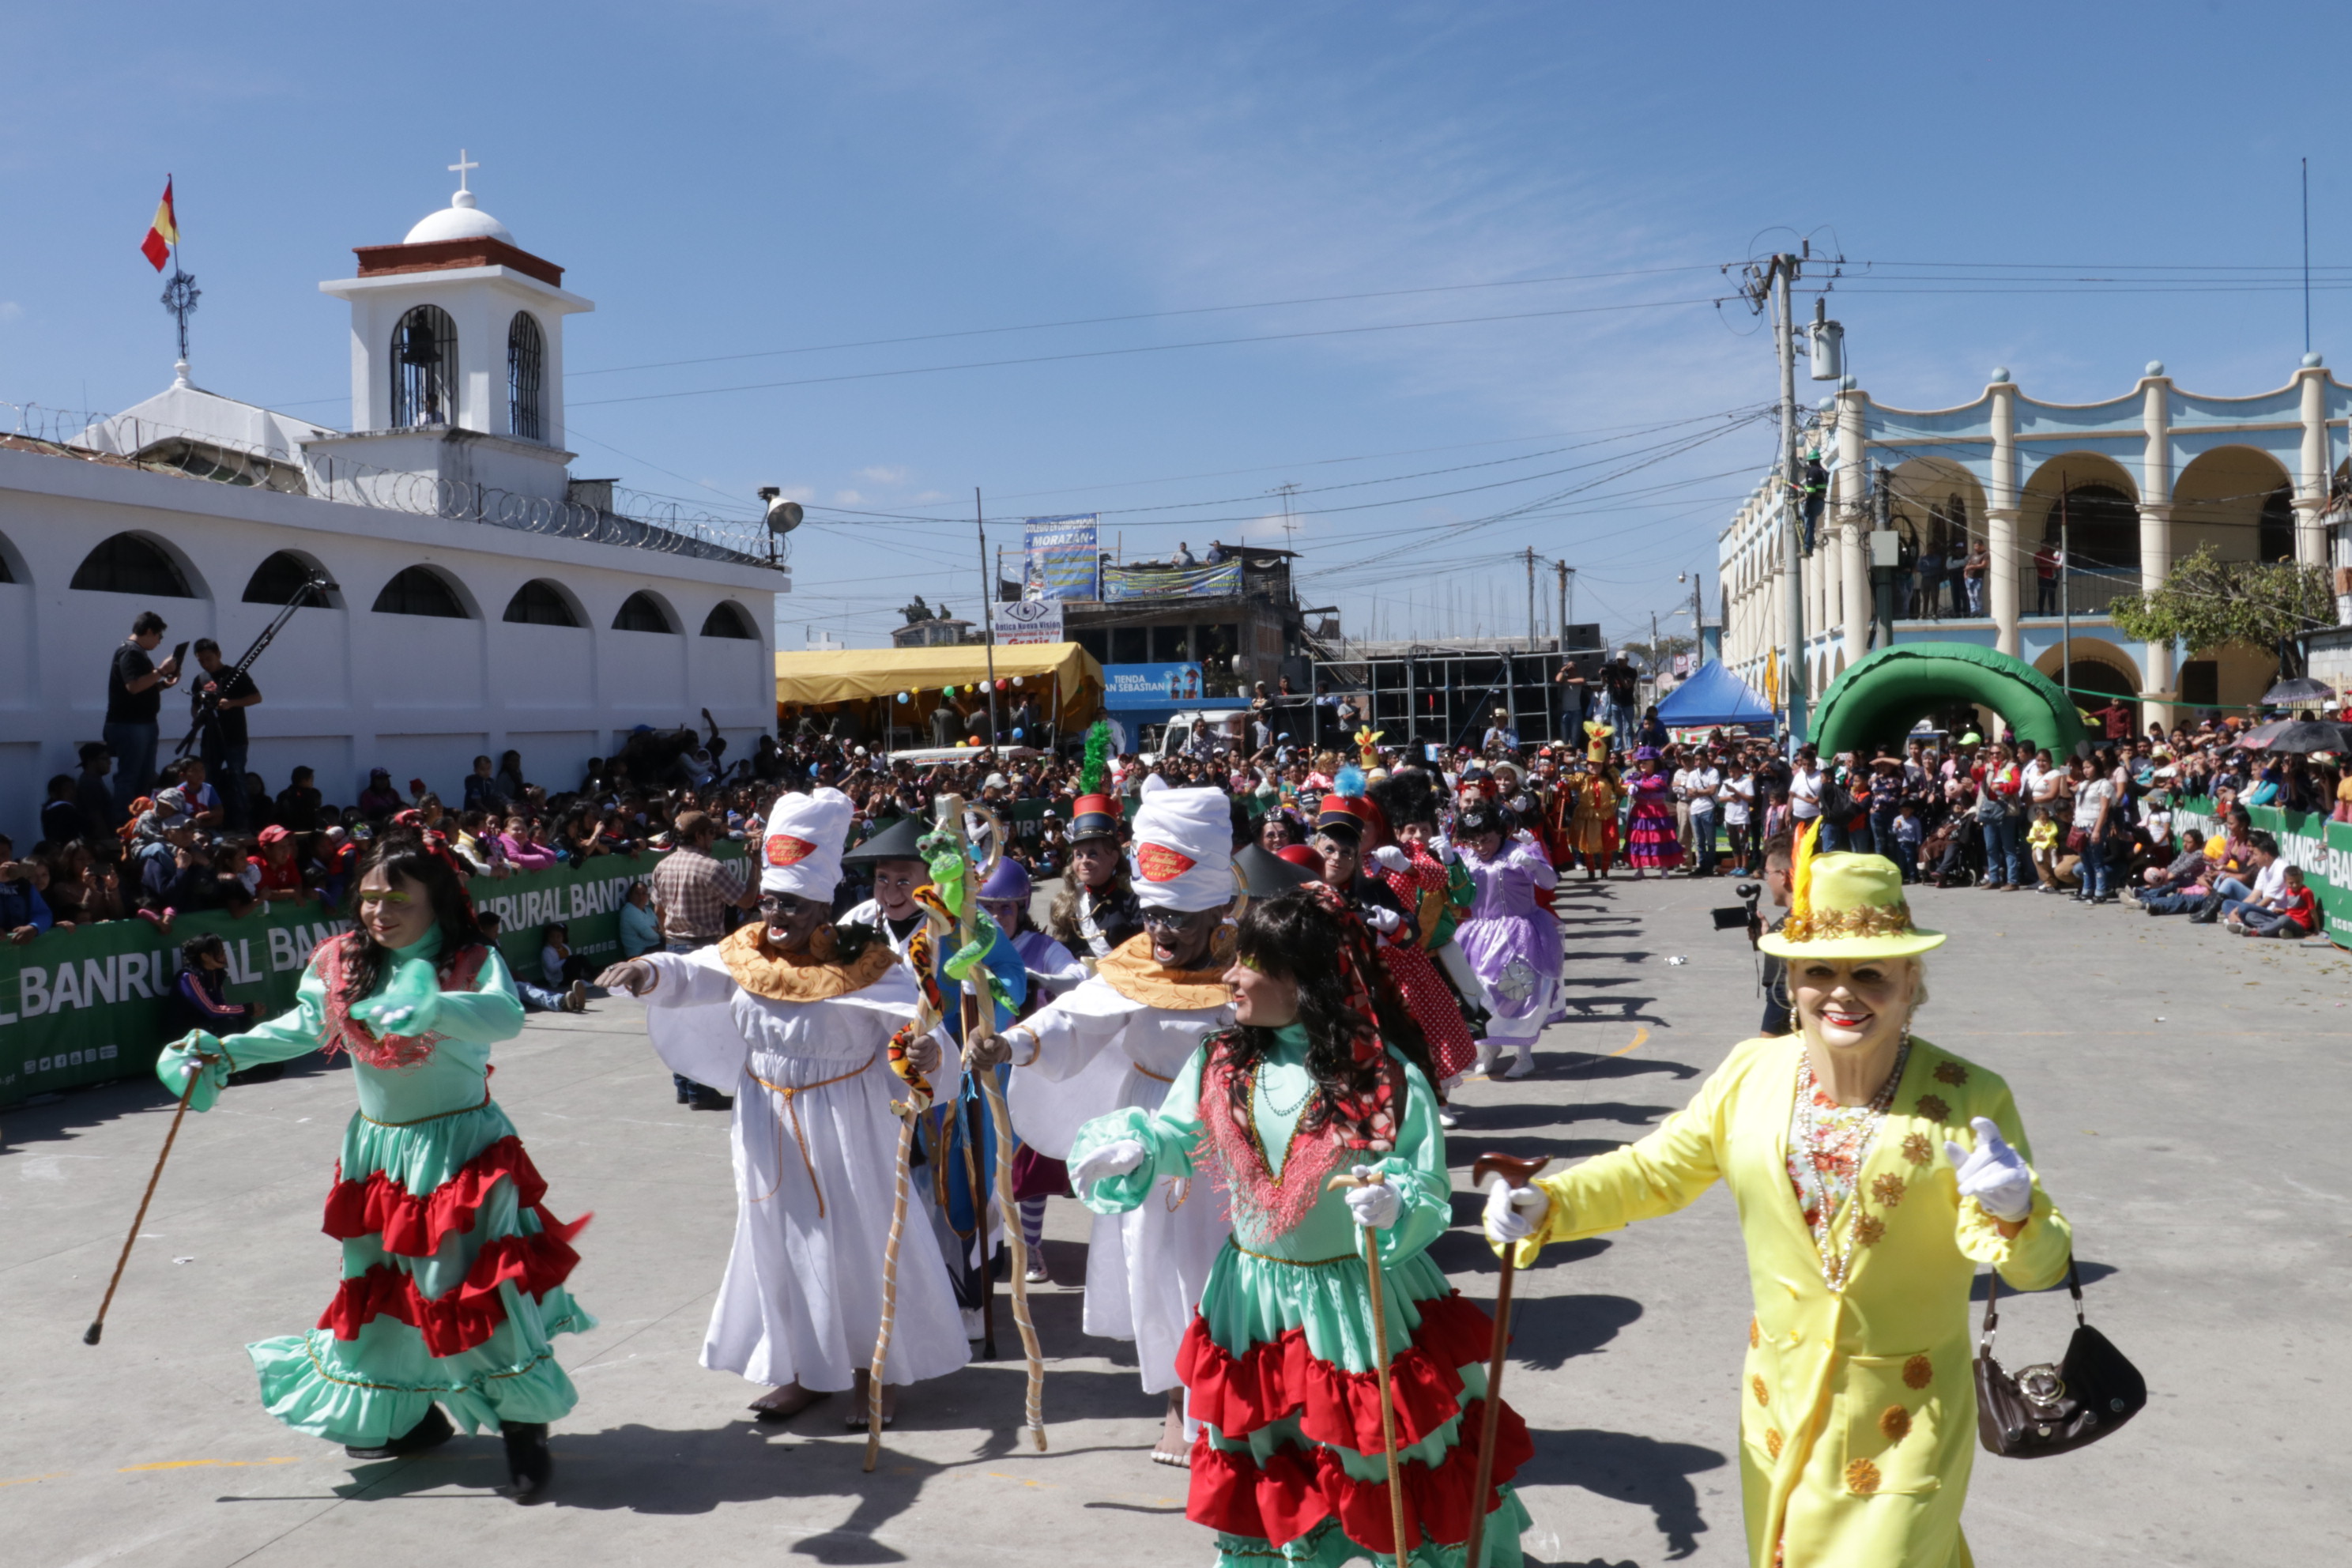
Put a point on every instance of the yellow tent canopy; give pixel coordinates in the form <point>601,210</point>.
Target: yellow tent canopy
<point>866,675</point>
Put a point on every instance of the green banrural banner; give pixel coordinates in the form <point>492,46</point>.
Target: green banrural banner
<point>87,1005</point>
<point>2322,847</point>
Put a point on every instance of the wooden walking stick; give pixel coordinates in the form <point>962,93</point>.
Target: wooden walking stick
<point>909,1112</point>
<point>981,1030</point>
<point>1517,1174</point>
<point>98,1325</point>
<point>1380,1352</point>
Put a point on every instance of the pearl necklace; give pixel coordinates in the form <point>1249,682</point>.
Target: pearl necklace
<point>1291,1109</point>
<point>1837,1268</point>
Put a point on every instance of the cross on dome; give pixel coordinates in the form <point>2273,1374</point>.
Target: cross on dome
<point>459,168</point>
<point>463,217</point>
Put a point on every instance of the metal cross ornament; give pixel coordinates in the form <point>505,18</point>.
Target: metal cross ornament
<point>180,297</point>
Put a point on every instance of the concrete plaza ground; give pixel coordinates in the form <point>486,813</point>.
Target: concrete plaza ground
<point>2184,1091</point>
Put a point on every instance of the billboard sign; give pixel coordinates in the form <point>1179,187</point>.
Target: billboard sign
<point>1021,621</point>
<point>1063,559</point>
<point>1150,684</point>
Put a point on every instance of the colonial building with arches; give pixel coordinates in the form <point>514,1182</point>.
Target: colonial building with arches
<point>2131,486</point>
<point>483,600</point>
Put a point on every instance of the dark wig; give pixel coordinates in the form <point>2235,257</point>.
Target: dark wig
<point>1291,937</point>
<point>402,852</point>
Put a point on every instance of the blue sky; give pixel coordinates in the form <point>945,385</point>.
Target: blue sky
<point>741,179</point>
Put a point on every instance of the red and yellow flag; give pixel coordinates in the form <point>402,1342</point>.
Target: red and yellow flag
<point>164,232</point>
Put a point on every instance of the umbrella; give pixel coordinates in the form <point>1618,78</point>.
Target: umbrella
<point>2303,736</point>
<point>2259,737</point>
<point>2300,690</point>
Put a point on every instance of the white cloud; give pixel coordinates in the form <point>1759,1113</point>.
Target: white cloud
<point>11,312</point>
<point>885,474</point>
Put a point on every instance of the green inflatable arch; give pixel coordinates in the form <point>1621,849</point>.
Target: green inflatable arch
<point>1879,699</point>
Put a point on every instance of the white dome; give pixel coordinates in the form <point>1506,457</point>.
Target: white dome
<point>461,219</point>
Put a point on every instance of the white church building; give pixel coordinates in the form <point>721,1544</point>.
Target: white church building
<point>484,599</point>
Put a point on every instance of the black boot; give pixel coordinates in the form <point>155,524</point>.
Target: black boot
<point>529,1466</point>
<point>2208,912</point>
<point>429,1433</point>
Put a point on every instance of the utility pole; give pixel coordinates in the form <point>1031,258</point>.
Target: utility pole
<point>2066,598</point>
<point>1531,598</point>
<point>1560,644</point>
<point>1768,287</point>
<point>987,616</point>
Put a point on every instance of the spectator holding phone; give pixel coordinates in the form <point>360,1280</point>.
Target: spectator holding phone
<point>135,685</point>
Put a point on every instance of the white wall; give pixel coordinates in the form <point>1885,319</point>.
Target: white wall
<point>345,689</point>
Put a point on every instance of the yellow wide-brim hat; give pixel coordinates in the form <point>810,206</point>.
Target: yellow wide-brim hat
<point>1846,907</point>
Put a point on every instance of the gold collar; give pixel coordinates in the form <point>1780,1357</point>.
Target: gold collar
<point>812,976</point>
<point>1134,974</point>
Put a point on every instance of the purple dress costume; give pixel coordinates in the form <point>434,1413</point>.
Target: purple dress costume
<point>1512,941</point>
<point>1651,844</point>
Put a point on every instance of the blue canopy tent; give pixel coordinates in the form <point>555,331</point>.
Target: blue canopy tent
<point>1715,698</point>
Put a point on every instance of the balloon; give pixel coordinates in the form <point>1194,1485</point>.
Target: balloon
<point>947,691</point>
<point>1000,683</point>
<point>902,697</point>
<point>1017,732</point>
<point>1017,680</point>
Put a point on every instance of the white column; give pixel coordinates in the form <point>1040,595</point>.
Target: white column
<point>2156,525</point>
<point>1853,522</point>
<point>2000,511</point>
<point>2311,481</point>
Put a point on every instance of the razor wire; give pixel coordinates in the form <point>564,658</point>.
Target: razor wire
<point>639,522</point>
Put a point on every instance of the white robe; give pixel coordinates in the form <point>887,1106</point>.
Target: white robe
<point>1097,1051</point>
<point>801,1299</point>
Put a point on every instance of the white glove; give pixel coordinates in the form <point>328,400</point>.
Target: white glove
<point>1443,847</point>
<point>1994,1175</point>
<point>1383,921</point>
<point>1392,858</point>
<point>1113,1159</point>
<point>1375,1206</point>
<point>1514,1213</point>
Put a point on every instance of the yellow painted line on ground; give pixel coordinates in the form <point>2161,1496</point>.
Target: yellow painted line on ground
<point>28,1480</point>
<point>1639,1036</point>
<point>1021,1480</point>
<point>197,1463</point>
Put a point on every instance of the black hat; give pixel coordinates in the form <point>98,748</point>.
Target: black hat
<point>896,842</point>
<point>1265,875</point>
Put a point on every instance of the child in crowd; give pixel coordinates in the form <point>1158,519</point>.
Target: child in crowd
<point>2294,916</point>
<point>1907,835</point>
<point>556,998</point>
<point>2041,840</point>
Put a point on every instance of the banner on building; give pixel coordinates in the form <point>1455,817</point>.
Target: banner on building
<point>1029,621</point>
<point>1220,581</point>
<point>1150,684</point>
<point>94,1004</point>
<point>1063,561</point>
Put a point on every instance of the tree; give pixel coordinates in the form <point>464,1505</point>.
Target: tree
<point>2206,601</point>
<point>1659,657</point>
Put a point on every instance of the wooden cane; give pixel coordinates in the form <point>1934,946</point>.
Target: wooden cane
<point>1380,1352</point>
<point>983,1029</point>
<point>98,1325</point>
<point>1517,1174</point>
<point>907,1114</point>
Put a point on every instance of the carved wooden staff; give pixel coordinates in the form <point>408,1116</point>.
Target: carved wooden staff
<point>1380,1354</point>
<point>909,1112</point>
<point>98,1325</point>
<point>1517,1174</point>
<point>981,1029</point>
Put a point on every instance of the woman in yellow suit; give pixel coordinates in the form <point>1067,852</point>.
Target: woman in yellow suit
<point>1873,1172</point>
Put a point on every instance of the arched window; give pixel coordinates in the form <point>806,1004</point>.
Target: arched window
<point>642,612</point>
<point>2275,532</point>
<point>525,354</point>
<point>538,602</point>
<point>424,369</point>
<point>2102,526</point>
<point>420,591</point>
<point>727,619</point>
<point>127,564</point>
<point>279,578</point>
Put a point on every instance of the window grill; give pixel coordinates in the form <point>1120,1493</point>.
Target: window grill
<point>526,356</point>
<point>127,564</point>
<point>424,369</point>
<point>640,612</point>
<point>419,591</point>
<point>727,619</point>
<point>538,602</point>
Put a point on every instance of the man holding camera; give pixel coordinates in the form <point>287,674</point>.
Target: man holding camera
<point>222,694</point>
<point>135,685</point>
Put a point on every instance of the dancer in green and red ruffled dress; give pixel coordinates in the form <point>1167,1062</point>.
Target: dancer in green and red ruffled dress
<point>453,1271</point>
<point>1325,1066</point>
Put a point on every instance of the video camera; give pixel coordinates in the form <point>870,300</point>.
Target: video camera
<point>1742,916</point>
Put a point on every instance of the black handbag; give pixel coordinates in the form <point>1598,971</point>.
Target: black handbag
<point>2044,1409</point>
